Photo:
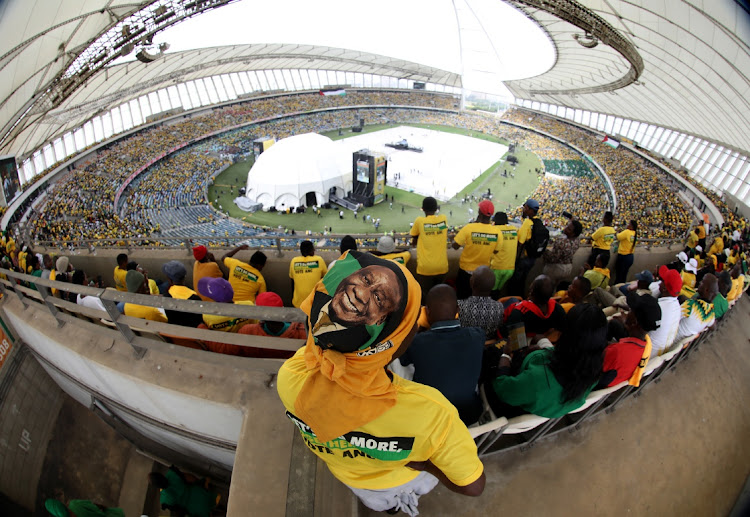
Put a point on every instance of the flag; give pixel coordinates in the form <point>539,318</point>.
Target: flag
<point>340,92</point>
<point>611,142</point>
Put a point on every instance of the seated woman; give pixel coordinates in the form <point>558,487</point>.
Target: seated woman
<point>551,382</point>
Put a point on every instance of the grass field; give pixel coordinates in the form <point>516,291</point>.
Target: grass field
<point>406,205</point>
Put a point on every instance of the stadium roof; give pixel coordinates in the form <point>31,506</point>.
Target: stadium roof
<point>680,64</point>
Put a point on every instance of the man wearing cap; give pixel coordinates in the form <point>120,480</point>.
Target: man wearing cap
<point>246,279</point>
<point>205,265</point>
<point>386,249</point>
<point>270,328</point>
<point>669,287</point>
<point>176,272</point>
<point>221,291</point>
<point>503,261</point>
<point>390,440</point>
<point>429,234</point>
<point>479,240</point>
<point>626,359</point>
<point>698,312</point>
<point>305,271</point>
<point>61,273</point>
<point>524,263</point>
<point>602,239</point>
<point>135,282</point>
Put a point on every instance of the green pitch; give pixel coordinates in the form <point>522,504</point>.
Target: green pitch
<point>406,206</point>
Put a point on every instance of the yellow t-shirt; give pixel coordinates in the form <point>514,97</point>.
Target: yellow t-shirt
<point>432,251</point>
<point>246,281</point>
<point>603,238</point>
<point>524,232</point>
<point>203,269</point>
<point>507,246</point>
<point>145,312</point>
<point>306,272</point>
<point>228,323</point>
<point>737,285</point>
<point>479,240</point>
<point>692,240</point>
<point>402,257</point>
<point>626,238</point>
<point>717,247</point>
<point>422,425</point>
<point>701,231</point>
<point>119,276</point>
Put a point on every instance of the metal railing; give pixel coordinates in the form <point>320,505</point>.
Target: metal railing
<point>142,334</point>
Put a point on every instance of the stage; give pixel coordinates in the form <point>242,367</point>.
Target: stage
<point>448,162</point>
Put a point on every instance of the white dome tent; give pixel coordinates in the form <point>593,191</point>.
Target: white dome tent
<point>299,170</point>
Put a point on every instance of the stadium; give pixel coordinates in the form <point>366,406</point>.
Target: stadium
<point>332,123</point>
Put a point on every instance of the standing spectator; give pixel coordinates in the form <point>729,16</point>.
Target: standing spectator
<point>625,249</point>
<point>479,310</point>
<point>337,392</point>
<point>479,240</point>
<point>246,279</point>
<point>700,229</point>
<point>558,261</point>
<point>524,261</point>
<point>448,357</point>
<point>205,265</point>
<point>503,261</point>
<point>430,235</point>
<point>602,239</point>
<point>120,271</point>
<point>692,242</point>
<point>669,287</point>
<point>305,272</point>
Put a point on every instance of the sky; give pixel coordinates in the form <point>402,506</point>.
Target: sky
<point>478,38</point>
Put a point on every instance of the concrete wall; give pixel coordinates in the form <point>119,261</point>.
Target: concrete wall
<point>191,401</point>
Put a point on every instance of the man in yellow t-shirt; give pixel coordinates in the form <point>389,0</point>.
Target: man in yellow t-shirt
<point>395,440</point>
<point>602,239</point>
<point>503,261</point>
<point>625,248</point>
<point>305,272</point>
<point>692,242</point>
<point>120,271</point>
<point>524,263</point>
<point>246,279</point>
<point>479,240</point>
<point>430,235</point>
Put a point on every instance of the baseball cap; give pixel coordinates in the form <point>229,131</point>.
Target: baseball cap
<point>671,280</point>
<point>199,252</point>
<point>692,265</point>
<point>386,244</point>
<point>134,280</point>
<point>645,276</point>
<point>683,257</point>
<point>647,310</point>
<point>62,264</point>
<point>218,289</point>
<point>486,208</point>
<point>268,299</point>
<point>532,203</point>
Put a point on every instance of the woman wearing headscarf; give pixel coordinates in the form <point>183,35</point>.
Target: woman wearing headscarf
<point>390,440</point>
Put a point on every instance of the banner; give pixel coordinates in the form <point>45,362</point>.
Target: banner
<point>5,344</point>
<point>611,142</point>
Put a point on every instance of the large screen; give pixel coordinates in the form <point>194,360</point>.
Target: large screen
<point>363,171</point>
<point>9,177</point>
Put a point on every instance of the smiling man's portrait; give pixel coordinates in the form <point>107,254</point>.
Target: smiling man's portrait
<point>367,291</point>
